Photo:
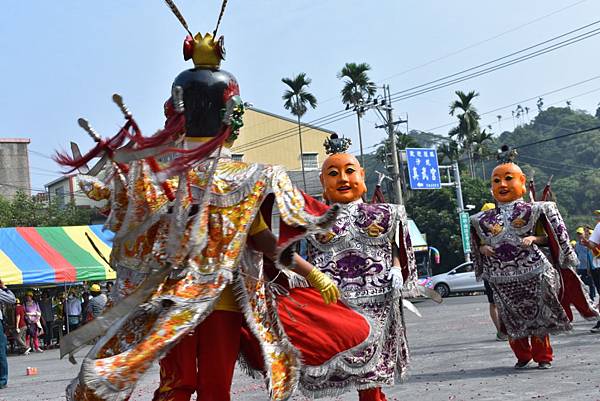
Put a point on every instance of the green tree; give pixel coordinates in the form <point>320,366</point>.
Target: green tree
<point>468,123</point>
<point>358,89</point>
<point>296,99</point>
<point>435,214</point>
<point>482,142</point>
<point>23,211</point>
<point>448,152</point>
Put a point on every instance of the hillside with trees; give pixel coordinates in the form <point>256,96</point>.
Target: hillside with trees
<point>571,162</point>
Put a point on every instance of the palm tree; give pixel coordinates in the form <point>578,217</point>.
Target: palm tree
<point>480,148</point>
<point>499,117</point>
<point>540,104</point>
<point>403,141</point>
<point>357,90</point>
<point>449,151</point>
<point>468,122</point>
<point>296,98</point>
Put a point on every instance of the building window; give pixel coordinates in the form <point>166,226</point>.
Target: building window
<point>310,161</point>
<point>60,196</point>
<point>238,157</point>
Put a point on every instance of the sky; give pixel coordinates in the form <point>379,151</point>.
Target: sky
<point>63,60</point>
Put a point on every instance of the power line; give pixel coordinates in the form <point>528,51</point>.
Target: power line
<point>584,131</point>
<point>483,41</point>
<point>530,99</point>
<point>427,87</point>
<point>488,70</point>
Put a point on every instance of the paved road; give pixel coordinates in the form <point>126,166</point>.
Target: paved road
<point>454,357</point>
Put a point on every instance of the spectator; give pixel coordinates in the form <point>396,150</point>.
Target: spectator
<point>6,298</point>
<point>21,327</point>
<point>85,316</point>
<point>593,243</point>
<point>97,303</point>
<point>73,307</point>
<point>33,315</point>
<point>584,269</point>
<point>109,290</point>
<point>47,318</point>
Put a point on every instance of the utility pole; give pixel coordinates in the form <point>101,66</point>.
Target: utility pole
<point>392,136</point>
<point>462,211</point>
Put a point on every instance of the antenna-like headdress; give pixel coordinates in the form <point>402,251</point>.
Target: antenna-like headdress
<point>205,50</point>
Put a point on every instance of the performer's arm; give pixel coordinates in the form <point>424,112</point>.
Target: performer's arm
<point>263,240</point>
<point>539,239</point>
<point>395,274</point>
<point>593,241</point>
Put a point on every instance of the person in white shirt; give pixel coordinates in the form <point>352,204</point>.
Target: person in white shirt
<point>73,307</point>
<point>593,242</point>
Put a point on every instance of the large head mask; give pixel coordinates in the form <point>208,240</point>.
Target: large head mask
<point>342,177</point>
<point>508,182</point>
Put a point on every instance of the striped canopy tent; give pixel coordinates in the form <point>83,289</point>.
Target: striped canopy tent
<point>53,255</point>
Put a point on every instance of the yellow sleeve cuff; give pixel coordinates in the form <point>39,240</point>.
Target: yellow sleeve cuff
<point>258,225</point>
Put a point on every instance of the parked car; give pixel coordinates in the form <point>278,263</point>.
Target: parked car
<point>459,279</point>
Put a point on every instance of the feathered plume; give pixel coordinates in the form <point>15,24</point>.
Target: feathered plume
<point>179,16</point>
<point>220,17</point>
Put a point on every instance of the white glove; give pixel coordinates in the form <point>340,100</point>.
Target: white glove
<point>395,275</point>
<point>18,330</point>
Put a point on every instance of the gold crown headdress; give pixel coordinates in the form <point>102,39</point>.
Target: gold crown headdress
<point>205,50</point>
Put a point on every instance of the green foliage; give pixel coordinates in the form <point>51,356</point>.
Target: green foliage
<point>572,161</point>
<point>436,215</point>
<point>23,211</point>
<point>358,87</point>
<point>297,97</point>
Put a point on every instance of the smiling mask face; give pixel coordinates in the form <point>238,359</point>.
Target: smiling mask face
<point>342,178</point>
<point>508,182</point>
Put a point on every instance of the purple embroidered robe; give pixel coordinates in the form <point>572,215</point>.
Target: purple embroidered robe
<point>357,254</point>
<point>525,282</point>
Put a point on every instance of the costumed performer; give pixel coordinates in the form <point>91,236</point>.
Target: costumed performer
<point>180,245</point>
<point>368,254</point>
<point>526,284</point>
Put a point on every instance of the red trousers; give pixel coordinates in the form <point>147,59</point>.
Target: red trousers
<point>202,362</point>
<point>572,294</point>
<point>539,350</point>
<point>372,394</point>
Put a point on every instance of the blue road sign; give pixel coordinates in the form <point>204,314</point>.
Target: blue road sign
<point>423,168</point>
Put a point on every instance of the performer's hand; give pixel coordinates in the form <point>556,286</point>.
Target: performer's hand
<point>18,330</point>
<point>395,275</point>
<point>487,250</point>
<point>320,281</point>
<point>528,241</point>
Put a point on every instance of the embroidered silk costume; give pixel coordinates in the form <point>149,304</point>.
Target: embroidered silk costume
<point>180,240</point>
<point>527,283</point>
<point>357,252</point>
